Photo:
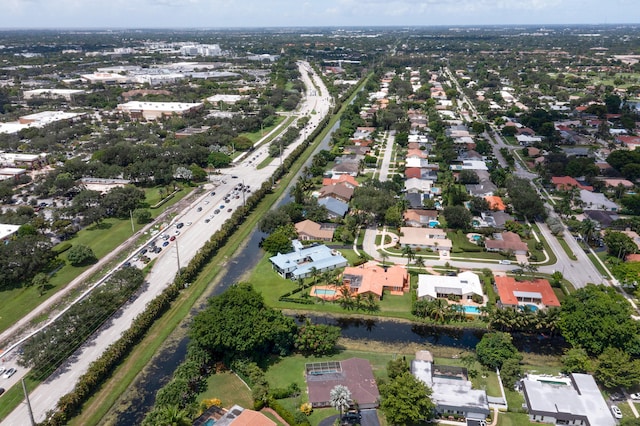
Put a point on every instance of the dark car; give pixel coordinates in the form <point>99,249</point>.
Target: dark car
<point>179,225</point>
<point>1,391</point>
<point>234,177</point>
<point>213,193</point>
<point>143,251</point>
<point>199,209</point>
<point>166,243</point>
<point>207,220</point>
<point>352,417</point>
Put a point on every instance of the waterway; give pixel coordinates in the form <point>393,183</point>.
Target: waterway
<point>161,368</point>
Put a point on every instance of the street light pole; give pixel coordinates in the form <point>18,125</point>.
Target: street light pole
<point>244,189</point>
<point>178,257</point>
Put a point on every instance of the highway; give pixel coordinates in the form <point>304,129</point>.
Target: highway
<point>193,234</point>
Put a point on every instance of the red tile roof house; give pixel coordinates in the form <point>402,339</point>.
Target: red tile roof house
<point>507,241</point>
<point>348,180</point>
<point>339,191</point>
<point>522,293</point>
<point>374,279</point>
<point>354,373</point>
<point>565,183</point>
<point>413,172</point>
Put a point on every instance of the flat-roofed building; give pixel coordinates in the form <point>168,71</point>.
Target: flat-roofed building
<point>155,110</point>
<point>67,94</point>
<point>7,230</point>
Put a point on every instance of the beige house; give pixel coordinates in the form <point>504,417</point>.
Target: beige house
<point>309,230</point>
<point>431,238</point>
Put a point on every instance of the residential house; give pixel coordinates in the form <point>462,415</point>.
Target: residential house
<point>309,230</point>
<point>507,242</point>
<point>417,162</point>
<point>346,168</point>
<point>303,261</point>
<point>614,182</point>
<point>357,150</point>
<point>465,285</point>
<point>496,219</point>
<point>565,183</point>
<point>238,416</point>
<point>537,293</point>
<point>431,238</point>
<point>452,391</point>
<point>418,185</point>
<point>597,201</point>
<point>601,217</point>
<point>336,208</point>
<point>579,402</point>
<point>339,191</point>
<point>354,373</point>
<point>369,278</point>
<point>469,165</point>
<point>420,218</point>
<point>347,180</point>
<point>415,199</point>
<point>526,140</point>
<point>482,189</point>
<point>416,153</point>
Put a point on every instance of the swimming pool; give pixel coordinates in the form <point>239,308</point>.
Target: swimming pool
<point>433,223</point>
<point>477,237</point>
<point>471,310</point>
<point>325,292</point>
<point>209,422</point>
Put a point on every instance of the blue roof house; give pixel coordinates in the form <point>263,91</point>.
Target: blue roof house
<point>300,263</point>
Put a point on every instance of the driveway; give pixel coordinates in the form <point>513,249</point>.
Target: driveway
<point>369,418</point>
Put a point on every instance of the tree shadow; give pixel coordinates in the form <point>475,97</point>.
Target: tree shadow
<point>100,226</point>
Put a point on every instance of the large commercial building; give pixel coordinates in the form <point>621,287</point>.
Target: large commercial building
<point>155,110</point>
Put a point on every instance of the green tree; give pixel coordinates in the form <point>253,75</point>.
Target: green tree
<point>238,324</point>
<point>619,244</point>
<point>495,348</point>
<point>457,217</point>
<point>396,367</point>
<point>81,255</point>
<point>218,159</point>
<point>280,240</point>
<point>598,317</point>
<point>576,360</point>
<point>41,282</point>
<point>406,400</point>
<point>316,339</point>
<point>615,368</point>
<point>142,216</point>
<point>510,372</point>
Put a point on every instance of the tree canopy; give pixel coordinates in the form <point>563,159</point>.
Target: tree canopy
<point>496,348</point>
<point>238,324</point>
<point>406,400</point>
<point>598,317</point>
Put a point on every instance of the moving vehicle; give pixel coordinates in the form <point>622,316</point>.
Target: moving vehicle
<point>614,409</point>
<point>207,220</point>
<point>10,372</point>
<point>166,243</point>
<point>173,237</point>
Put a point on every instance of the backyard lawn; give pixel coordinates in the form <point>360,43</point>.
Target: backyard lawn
<point>229,389</point>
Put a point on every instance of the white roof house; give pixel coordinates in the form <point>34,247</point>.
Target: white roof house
<point>418,185</point>
<point>303,261</point>
<point>464,285</point>
<point>416,162</point>
<point>434,239</point>
<point>597,201</point>
<point>579,402</point>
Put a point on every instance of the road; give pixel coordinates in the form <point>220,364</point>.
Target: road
<point>187,243</point>
<point>388,152</point>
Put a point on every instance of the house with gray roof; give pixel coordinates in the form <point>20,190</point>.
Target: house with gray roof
<point>577,403</point>
<point>302,262</point>
<point>452,391</point>
<point>336,208</point>
<point>597,201</point>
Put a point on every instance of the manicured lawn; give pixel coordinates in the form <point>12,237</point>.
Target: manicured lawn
<point>229,389</point>
<point>266,281</point>
<point>566,249</point>
<point>513,419</point>
<point>552,256</point>
<point>255,136</point>
<point>350,255</point>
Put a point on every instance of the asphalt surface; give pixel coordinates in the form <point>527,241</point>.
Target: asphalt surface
<point>181,250</point>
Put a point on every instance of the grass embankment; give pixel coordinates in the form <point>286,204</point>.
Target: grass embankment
<point>103,239</point>
<point>98,407</point>
<point>566,248</point>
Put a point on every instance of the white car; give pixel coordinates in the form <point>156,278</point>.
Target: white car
<point>635,396</point>
<point>616,412</point>
<point>10,372</point>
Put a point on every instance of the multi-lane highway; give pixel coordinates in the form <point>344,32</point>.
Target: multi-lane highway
<point>199,221</point>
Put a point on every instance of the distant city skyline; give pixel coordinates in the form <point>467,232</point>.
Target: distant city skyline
<point>23,14</point>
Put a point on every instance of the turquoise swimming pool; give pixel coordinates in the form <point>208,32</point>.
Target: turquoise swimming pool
<point>324,292</point>
<point>471,310</point>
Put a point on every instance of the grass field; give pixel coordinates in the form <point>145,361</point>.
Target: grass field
<point>229,389</point>
<point>102,239</point>
<point>566,249</point>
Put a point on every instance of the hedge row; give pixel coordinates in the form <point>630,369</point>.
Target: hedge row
<point>287,415</point>
<point>297,300</point>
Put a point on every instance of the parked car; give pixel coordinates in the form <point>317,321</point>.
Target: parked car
<point>199,209</point>
<point>10,372</point>
<point>173,237</point>
<point>635,396</point>
<point>1,391</point>
<point>207,220</point>
<point>614,409</point>
<point>166,243</point>
<point>213,193</point>
<point>2,370</point>
<point>229,210</point>
<point>179,225</point>
<point>616,397</point>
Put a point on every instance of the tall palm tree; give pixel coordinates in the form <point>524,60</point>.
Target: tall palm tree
<point>532,269</point>
<point>172,415</point>
<point>384,255</point>
<point>346,298</point>
<point>419,262</point>
<point>340,398</point>
<point>408,251</point>
<point>439,310</point>
<point>588,229</point>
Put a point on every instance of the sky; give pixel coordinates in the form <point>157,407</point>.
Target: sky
<point>309,13</point>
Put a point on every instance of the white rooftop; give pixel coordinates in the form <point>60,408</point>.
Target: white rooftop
<point>466,283</point>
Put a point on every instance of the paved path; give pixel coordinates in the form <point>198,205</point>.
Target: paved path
<point>386,159</point>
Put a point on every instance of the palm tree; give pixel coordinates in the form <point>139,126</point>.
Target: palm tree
<point>172,415</point>
<point>532,269</point>
<point>314,274</point>
<point>439,310</point>
<point>408,251</point>
<point>419,262</point>
<point>588,229</point>
<point>384,255</point>
<point>346,299</point>
<point>339,398</point>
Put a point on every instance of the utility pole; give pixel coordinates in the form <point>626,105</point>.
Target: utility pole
<point>26,397</point>
<point>133,230</point>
